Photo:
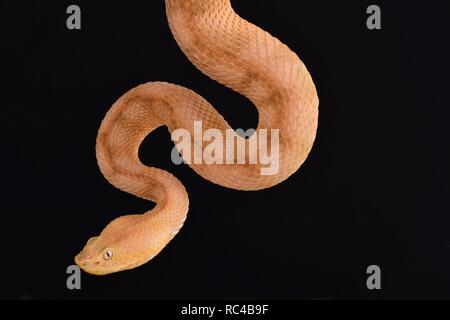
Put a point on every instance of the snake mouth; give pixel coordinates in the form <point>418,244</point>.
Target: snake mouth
<point>90,266</point>
<point>84,263</point>
<point>97,269</point>
<point>86,260</point>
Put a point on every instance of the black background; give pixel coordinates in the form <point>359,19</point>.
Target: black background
<point>373,190</point>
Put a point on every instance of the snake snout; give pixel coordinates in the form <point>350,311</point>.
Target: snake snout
<point>87,262</point>
<point>81,258</point>
<point>84,258</point>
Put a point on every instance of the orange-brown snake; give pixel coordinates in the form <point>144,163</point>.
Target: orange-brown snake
<point>242,57</point>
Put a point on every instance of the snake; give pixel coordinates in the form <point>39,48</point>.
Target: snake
<point>242,57</point>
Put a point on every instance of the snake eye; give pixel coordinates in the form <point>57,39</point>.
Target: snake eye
<point>107,255</point>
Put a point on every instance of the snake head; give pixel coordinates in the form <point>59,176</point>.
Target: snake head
<point>119,247</point>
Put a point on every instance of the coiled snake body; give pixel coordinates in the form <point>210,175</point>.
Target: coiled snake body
<point>240,56</point>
